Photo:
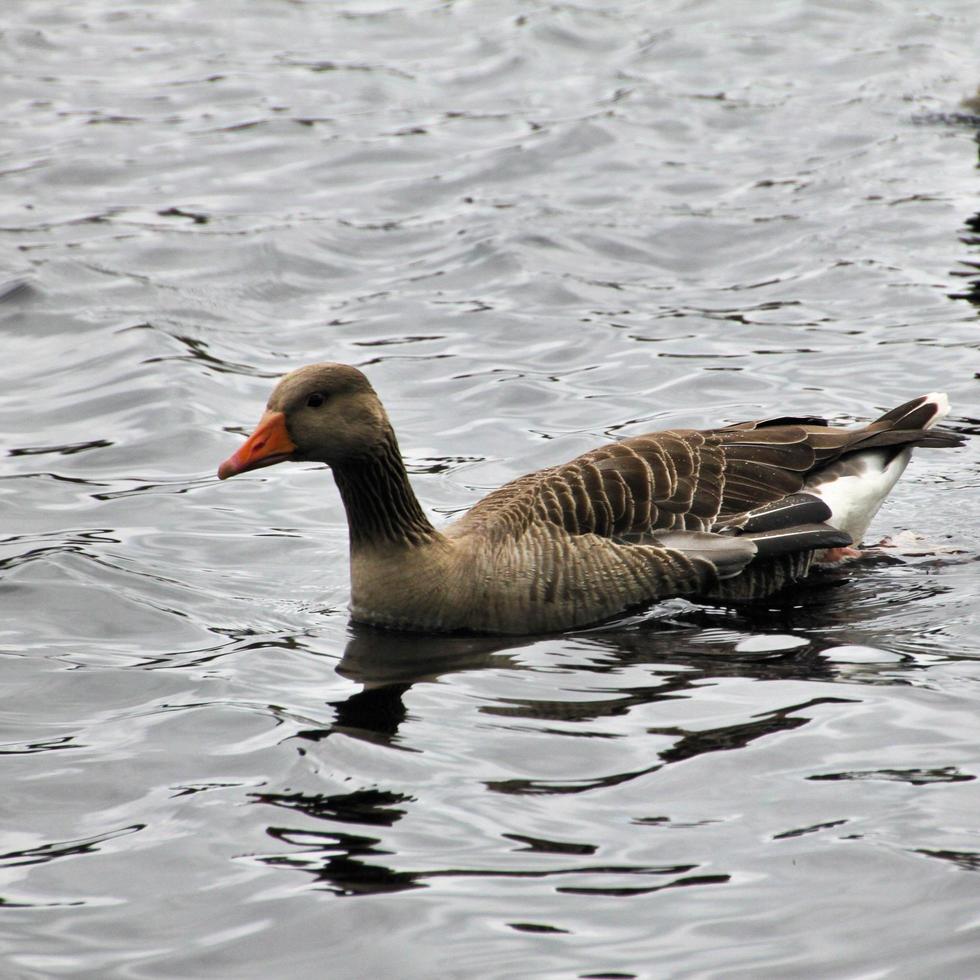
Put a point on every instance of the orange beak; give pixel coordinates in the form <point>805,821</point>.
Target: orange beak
<point>268,444</point>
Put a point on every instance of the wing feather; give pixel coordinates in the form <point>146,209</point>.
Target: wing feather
<point>688,480</point>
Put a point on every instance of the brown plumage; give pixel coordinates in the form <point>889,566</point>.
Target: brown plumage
<point>732,513</point>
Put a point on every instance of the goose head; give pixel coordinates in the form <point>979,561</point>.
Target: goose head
<point>326,413</point>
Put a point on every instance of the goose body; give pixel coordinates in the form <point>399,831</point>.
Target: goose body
<point>730,513</point>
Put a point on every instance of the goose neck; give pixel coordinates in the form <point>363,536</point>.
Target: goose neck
<point>381,506</point>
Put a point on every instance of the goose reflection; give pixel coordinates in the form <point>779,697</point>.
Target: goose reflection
<point>386,664</point>
<point>377,658</point>
<point>344,841</point>
<point>688,644</point>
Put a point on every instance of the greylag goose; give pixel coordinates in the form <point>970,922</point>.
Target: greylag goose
<point>723,514</point>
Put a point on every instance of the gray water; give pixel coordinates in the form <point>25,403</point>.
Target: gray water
<point>535,226</point>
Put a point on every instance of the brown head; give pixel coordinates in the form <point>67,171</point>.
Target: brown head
<point>323,412</point>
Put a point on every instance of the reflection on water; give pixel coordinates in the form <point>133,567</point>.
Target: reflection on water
<point>535,226</point>
<point>971,273</point>
<point>679,648</point>
<point>375,657</point>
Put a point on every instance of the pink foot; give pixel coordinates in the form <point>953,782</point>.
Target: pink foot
<point>839,554</point>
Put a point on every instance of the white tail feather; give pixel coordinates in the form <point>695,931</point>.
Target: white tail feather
<point>855,487</point>
<point>941,401</point>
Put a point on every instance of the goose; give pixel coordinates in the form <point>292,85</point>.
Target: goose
<point>725,515</point>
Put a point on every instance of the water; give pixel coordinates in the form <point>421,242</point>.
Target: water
<point>535,226</point>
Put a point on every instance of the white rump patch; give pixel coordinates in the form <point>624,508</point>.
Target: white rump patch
<point>855,496</point>
<point>941,401</point>
<point>854,488</point>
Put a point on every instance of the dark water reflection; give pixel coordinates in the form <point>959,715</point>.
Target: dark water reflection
<point>535,226</point>
<point>971,273</point>
<point>678,649</point>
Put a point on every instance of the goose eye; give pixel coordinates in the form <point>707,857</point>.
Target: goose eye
<point>315,400</point>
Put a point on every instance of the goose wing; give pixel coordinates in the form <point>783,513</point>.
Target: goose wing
<point>701,480</point>
<point>676,480</point>
<point>680,512</point>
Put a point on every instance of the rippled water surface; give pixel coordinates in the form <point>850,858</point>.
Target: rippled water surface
<point>535,226</point>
